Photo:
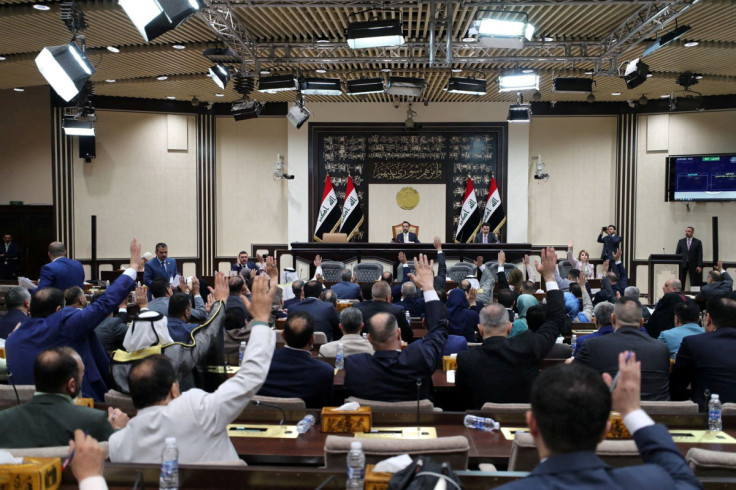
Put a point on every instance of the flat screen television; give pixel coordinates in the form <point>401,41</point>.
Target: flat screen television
<point>701,178</point>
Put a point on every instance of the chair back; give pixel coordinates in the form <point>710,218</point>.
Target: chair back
<point>285,403</point>
<point>7,394</point>
<point>320,338</point>
<point>459,271</point>
<point>506,268</point>
<point>331,270</point>
<point>117,399</point>
<point>524,455</point>
<point>424,405</point>
<point>506,407</point>
<point>400,274</point>
<point>726,408</point>
<point>453,450</point>
<point>707,463</point>
<point>397,230</point>
<point>368,272</point>
<point>686,407</point>
<point>564,268</point>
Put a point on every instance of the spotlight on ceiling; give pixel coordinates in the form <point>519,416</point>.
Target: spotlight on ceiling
<point>375,34</point>
<point>321,86</point>
<point>517,80</point>
<point>409,122</point>
<point>572,85</point>
<point>220,74</point>
<point>155,17</point>
<point>246,110</point>
<point>502,29</point>
<point>410,86</point>
<point>519,113</point>
<point>66,68</point>
<point>643,100</point>
<point>635,73</point>
<point>75,127</point>
<point>298,115</point>
<point>590,97</point>
<point>666,38</point>
<point>278,83</point>
<point>472,86</point>
<point>363,86</point>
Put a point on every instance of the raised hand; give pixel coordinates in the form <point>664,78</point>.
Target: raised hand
<point>526,260</point>
<point>501,258</point>
<point>261,299</point>
<point>570,245</point>
<point>210,302</point>
<point>141,297</point>
<point>424,277</point>
<point>183,285</point>
<point>135,254</point>
<point>402,257</point>
<point>626,395</point>
<point>222,287</point>
<point>437,243</point>
<point>606,264</point>
<point>89,456</point>
<point>195,285</point>
<point>272,269</point>
<point>548,265</point>
<point>617,255</point>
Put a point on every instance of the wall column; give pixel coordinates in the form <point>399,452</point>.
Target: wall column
<point>206,188</point>
<point>626,185</point>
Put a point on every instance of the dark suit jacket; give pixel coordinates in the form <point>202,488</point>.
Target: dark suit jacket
<point>50,420</point>
<point>391,376</point>
<point>502,369</point>
<point>412,238</point>
<point>663,317</point>
<point>601,353</point>
<point>346,290</point>
<point>610,244</point>
<point>68,327</point>
<point>692,257</point>
<point>324,314</point>
<point>664,467</point>
<point>10,320</point>
<point>370,308</point>
<point>111,331</point>
<point>61,274</point>
<point>291,302</point>
<point>153,270</point>
<point>707,361</point>
<point>295,373</point>
<point>720,288</point>
<point>415,306</point>
<point>239,268</point>
<point>11,256</point>
<point>492,238</point>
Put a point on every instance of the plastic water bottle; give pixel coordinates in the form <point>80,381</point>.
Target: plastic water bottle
<point>356,466</point>
<point>241,352</point>
<point>408,317</point>
<point>481,423</point>
<point>573,344</point>
<point>169,479</point>
<point>715,424</point>
<point>340,356</point>
<point>305,424</point>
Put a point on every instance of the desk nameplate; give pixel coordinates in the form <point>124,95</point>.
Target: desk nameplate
<point>399,433</point>
<point>267,431</point>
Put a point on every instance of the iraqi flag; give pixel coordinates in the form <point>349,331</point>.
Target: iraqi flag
<point>352,214</point>
<point>328,217</point>
<point>469,222</point>
<point>494,214</point>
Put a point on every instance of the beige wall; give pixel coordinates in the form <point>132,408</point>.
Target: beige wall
<point>136,187</point>
<point>660,224</point>
<point>384,212</point>
<point>579,154</point>
<point>25,140</point>
<point>251,206</point>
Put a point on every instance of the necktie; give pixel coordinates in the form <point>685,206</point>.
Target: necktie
<point>688,243</point>
<point>485,238</point>
<point>163,264</point>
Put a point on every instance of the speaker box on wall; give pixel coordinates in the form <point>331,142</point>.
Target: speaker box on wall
<point>87,148</point>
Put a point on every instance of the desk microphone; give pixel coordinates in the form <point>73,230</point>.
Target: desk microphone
<point>329,479</point>
<point>283,413</point>
<point>419,389</point>
<point>10,379</point>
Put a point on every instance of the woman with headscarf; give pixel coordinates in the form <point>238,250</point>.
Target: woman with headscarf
<point>461,319</point>
<point>523,303</point>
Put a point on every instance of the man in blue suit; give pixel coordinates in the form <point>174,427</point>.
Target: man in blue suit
<point>346,288</point>
<point>53,325</point>
<point>18,303</point>
<point>610,240</point>
<point>61,272</point>
<point>324,314</point>
<point>406,236</point>
<point>161,266</point>
<point>294,372</point>
<point>564,395</point>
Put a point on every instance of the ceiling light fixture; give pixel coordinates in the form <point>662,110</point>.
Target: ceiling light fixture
<point>666,38</point>
<point>298,114</point>
<point>519,112</point>
<point>457,70</point>
<point>111,80</point>
<point>19,89</point>
<point>572,85</point>
<point>635,73</point>
<point>363,86</point>
<point>278,83</point>
<point>321,86</point>
<point>170,97</point>
<point>246,110</point>
<point>75,127</point>
<point>375,34</point>
<point>502,29</point>
<point>691,44</point>
<point>409,86</point>
<point>66,68</point>
<point>41,7</point>
<point>179,46</point>
<point>220,75</point>
<point>616,93</point>
<point>471,86</point>
<point>113,49</point>
<point>162,78</point>
<point>219,95</point>
<point>155,17</point>
<point>2,58</point>
<point>320,70</point>
<point>516,80</point>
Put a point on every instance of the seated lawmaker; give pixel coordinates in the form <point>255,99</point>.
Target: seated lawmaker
<point>687,316</point>
<point>197,419</point>
<point>180,311</point>
<point>411,301</point>
<point>391,374</point>
<point>406,236</point>
<point>381,303</point>
<point>294,372</point>
<point>324,314</point>
<point>346,288</point>
<point>50,417</point>
<point>569,417</point>
<point>351,324</point>
<point>18,303</point>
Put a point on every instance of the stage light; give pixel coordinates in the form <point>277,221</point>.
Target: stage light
<point>246,110</point>
<point>514,81</point>
<point>519,113</point>
<point>298,114</point>
<point>410,86</point>
<point>375,34</point>
<point>278,83</point>
<point>503,29</point>
<point>220,74</point>
<point>363,86</point>
<point>572,85</point>
<point>666,38</point>
<point>66,68</point>
<point>472,86</point>
<point>321,86</point>
<point>74,127</point>
<point>635,73</point>
<point>155,17</point>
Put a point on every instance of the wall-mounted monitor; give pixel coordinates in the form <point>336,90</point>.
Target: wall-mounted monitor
<point>701,178</point>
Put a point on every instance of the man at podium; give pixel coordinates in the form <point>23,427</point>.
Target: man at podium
<point>406,236</point>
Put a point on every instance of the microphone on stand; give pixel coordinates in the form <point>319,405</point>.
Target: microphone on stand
<point>283,413</point>
<point>419,388</point>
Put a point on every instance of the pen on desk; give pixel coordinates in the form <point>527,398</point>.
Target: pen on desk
<point>69,458</point>
<point>615,378</point>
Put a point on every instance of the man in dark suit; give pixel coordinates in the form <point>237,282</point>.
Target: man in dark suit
<point>410,301</point>
<point>502,369</point>
<point>610,240</point>
<point>565,395</point>
<point>243,264</point>
<point>720,283</point>
<point>346,288</point>
<point>294,372</point>
<point>392,374</point>
<point>50,417</point>
<point>707,360</point>
<point>53,325</point>
<point>324,314</point>
<point>61,272</point>
<point>381,303</point>
<point>601,353</point>
<point>297,287</point>
<point>406,236</point>
<point>663,316</point>
<point>615,280</point>
<point>9,258</point>
<point>485,235</point>
<point>691,250</point>
<point>18,303</point>
<point>161,266</point>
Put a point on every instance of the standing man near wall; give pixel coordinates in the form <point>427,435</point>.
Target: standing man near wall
<point>691,250</point>
<point>610,240</point>
<point>61,272</point>
<point>9,258</point>
<point>160,266</point>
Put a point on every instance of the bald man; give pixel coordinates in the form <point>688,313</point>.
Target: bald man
<point>61,272</point>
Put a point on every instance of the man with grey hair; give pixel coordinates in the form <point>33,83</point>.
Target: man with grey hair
<point>601,353</point>
<point>502,369</point>
<point>381,303</point>
<point>633,293</point>
<point>61,272</point>
<point>297,288</point>
<point>346,288</point>
<point>410,301</point>
<point>351,323</point>
<point>663,316</point>
<point>18,303</point>
<point>602,318</point>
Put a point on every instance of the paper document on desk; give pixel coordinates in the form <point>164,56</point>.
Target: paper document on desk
<point>26,283</point>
